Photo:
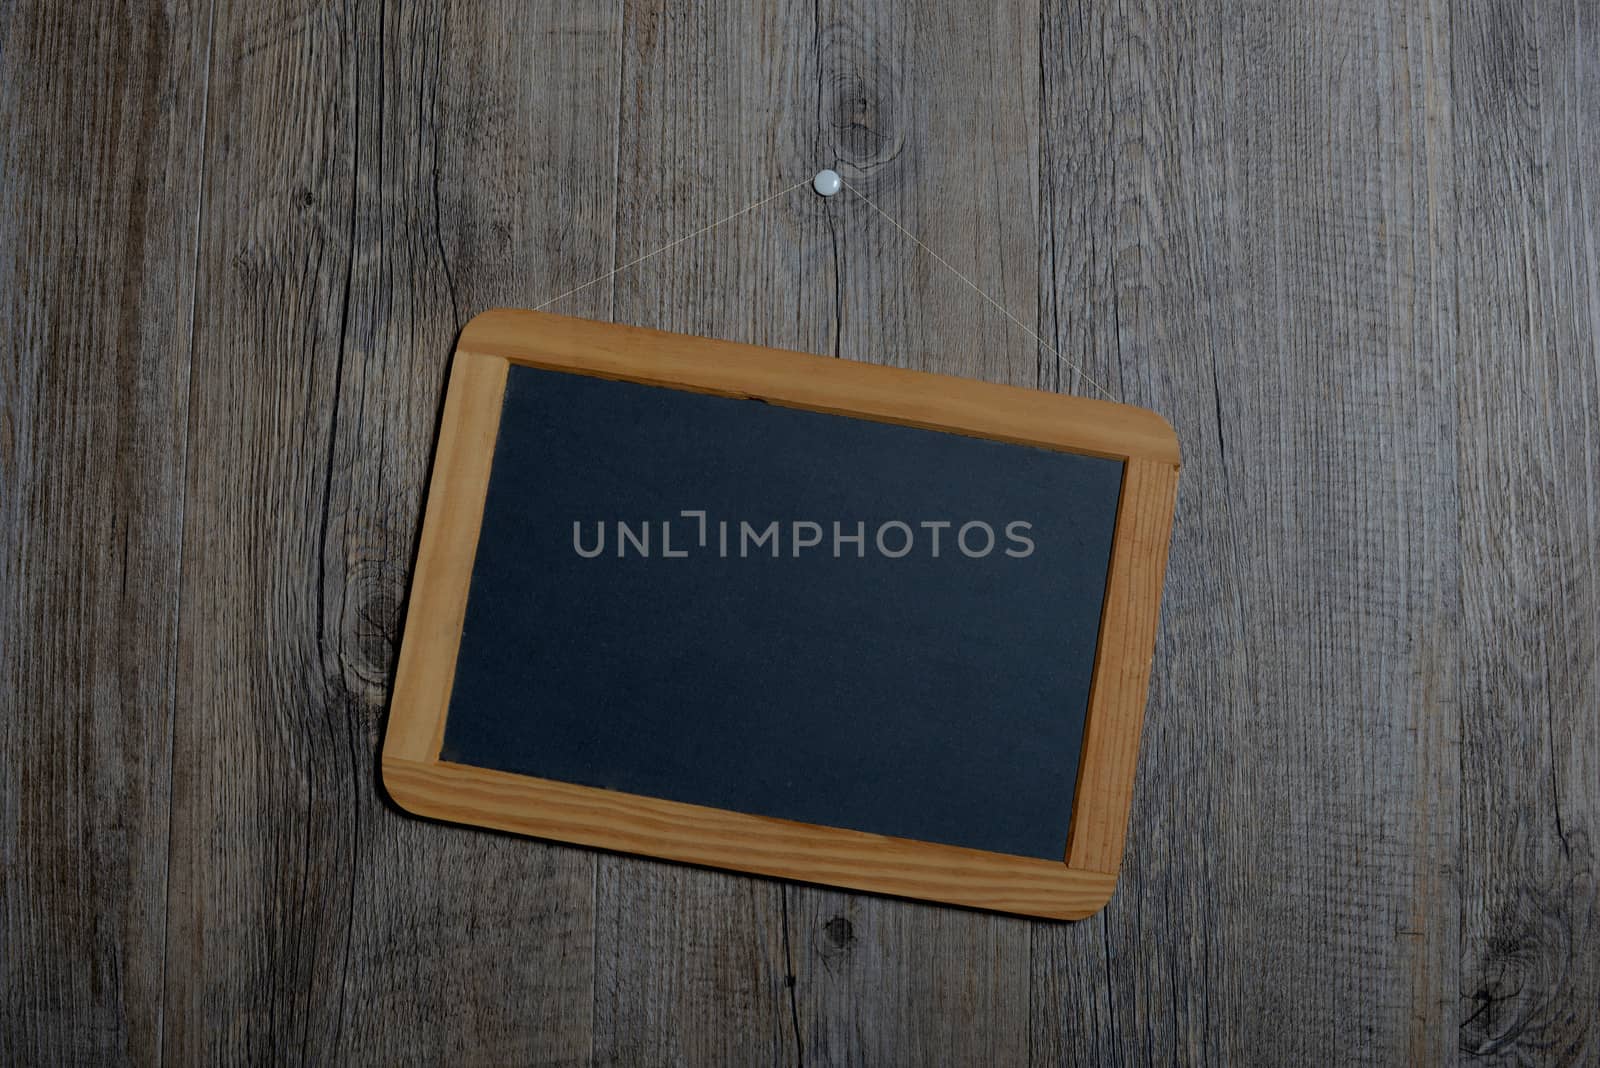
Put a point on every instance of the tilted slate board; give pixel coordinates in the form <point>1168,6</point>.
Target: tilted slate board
<point>937,699</point>
<point>927,727</point>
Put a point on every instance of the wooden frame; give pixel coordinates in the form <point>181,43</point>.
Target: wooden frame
<point>419,781</point>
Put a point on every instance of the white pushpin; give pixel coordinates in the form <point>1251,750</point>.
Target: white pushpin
<point>827,183</point>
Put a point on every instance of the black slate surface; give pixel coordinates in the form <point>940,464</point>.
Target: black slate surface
<point>937,698</point>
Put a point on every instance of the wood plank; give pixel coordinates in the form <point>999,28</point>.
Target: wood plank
<point>1106,770</point>
<point>494,120</point>
<point>697,834</point>
<point>818,276</point>
<point>702,978</point>
<point>1252,233</point>
<point>690,964</point>
<point>882,981</point>
<point>373,176</point>
<point>933,114</point>
<point>442,577</point>
<point>707,94</point>
<point>100,110</point>
<point>855,293</point>
<point>1528,100</point>
<point>842,387</point>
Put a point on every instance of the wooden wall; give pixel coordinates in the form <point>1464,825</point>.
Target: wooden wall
<point>1348,248</point>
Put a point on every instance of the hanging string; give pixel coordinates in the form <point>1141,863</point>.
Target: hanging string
<point>1051,349</point>
<point>946,264</point>
<point>675,244</point>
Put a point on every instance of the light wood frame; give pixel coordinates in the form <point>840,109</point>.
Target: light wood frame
<point>421,782</point>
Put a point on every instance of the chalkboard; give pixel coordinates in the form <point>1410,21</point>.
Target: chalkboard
<point>926,681</point>
<point>791,615</point>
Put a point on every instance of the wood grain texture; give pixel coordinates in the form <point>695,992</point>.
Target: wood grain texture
<point>1347,248</point>
<point>696,834</point>
<point>1129,619</point>
<point>706,125</point>
<point>853,388</point>
<point>932,112</point>
<point>882,981</point>
<point>1528,389</point>
<point>1253,234</point>
<point>437,609</point>
<point>368,172</point>
<point>98,206</point>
